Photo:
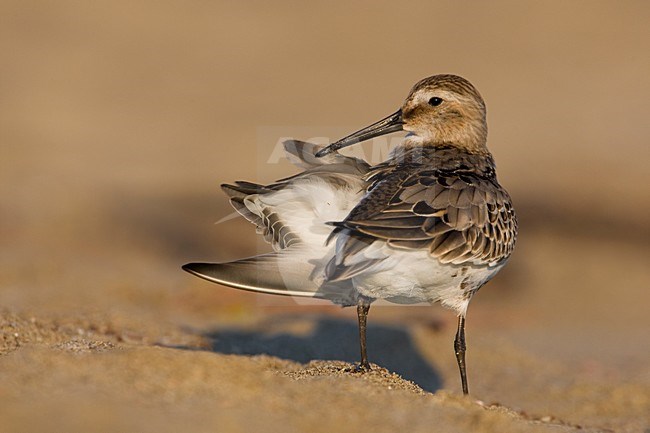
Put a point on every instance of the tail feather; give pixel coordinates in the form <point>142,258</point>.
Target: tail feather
<point>237,202</point>
<point>242,189</point>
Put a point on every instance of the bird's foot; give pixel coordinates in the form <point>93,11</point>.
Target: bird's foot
<point>360,368</point>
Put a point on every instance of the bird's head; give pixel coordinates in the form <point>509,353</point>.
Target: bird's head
<point>439,110</point>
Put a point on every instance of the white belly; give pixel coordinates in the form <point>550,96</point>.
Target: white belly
<point>407,277</point>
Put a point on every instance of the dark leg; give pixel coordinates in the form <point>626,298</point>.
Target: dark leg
<point>459,348</point>
<point>362,312</point>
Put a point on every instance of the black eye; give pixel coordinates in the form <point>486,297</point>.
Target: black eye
<point>435,101</point>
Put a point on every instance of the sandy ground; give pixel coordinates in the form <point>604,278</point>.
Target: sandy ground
<point>119,120</point>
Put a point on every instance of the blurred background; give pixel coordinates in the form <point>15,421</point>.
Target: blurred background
<point>119,120</point>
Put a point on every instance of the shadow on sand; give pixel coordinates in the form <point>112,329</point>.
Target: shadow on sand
<point>334,339</point>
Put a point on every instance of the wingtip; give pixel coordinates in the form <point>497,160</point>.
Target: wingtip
<point>257,274</point>
<point>192,268</point>
<point>203,270</point>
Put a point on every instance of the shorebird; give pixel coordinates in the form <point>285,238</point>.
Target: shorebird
<point>429,224</point>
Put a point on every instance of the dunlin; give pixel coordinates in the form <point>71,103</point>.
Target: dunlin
<point>429,224</point>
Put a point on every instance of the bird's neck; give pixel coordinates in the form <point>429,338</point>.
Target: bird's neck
<point>467,139</point>
<point>413,142</point>
<point>441,156</point>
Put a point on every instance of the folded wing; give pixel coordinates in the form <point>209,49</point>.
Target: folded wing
<point>459,215</point>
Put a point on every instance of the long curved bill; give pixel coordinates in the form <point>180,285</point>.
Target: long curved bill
<point>385,126</point>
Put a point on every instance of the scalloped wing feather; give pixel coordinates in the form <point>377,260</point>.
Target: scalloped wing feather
<point>458,212</point>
